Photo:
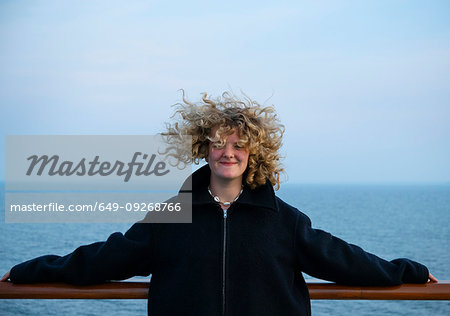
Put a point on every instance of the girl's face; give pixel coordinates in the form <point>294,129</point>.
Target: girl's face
<point>228,162</point>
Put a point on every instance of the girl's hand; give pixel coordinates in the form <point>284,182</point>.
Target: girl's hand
<point>431,278</point>
<point>5,277</point>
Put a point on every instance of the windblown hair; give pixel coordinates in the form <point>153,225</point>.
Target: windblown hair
<point>258,128</point>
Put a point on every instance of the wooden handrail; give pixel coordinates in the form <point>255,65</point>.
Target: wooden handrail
<point>139,290</point>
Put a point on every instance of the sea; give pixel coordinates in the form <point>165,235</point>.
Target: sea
<point>391,221</point>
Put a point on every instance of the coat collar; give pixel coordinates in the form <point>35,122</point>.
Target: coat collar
<point>263,196</point>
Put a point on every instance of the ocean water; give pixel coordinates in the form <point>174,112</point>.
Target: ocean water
<point>391,221</point>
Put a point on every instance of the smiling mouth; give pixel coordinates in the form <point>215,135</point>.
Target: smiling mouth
<point>228,163</point>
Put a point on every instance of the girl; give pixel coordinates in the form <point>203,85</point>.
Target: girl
<point>245,249</point>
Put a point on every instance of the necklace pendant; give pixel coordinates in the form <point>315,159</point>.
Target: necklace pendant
<point>217,199</point>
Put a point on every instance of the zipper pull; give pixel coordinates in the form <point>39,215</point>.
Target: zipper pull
<point>225,213</point>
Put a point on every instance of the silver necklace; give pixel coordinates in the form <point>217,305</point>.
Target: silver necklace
<point>217,199</point>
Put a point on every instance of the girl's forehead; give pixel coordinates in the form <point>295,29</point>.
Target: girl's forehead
<point>230,130</point>
<point>230,136</point>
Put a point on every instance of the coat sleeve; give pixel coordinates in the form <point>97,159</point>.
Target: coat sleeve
<point>119,257</point>
<point>329,258</point>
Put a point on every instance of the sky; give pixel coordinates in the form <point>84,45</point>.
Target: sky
<point>362,87</point>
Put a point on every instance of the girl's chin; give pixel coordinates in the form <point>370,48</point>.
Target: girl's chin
<point>228,176</point>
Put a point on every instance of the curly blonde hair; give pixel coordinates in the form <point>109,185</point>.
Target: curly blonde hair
<point>258,128</point>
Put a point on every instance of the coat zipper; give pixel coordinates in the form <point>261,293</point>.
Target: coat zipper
<point>223,257</point>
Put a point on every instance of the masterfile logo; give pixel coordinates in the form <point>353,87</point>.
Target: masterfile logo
<point>94,167</point>
<point>94,178</point>
<point>91,162</point>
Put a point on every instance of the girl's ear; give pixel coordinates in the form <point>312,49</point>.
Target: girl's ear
<point>206,159</point>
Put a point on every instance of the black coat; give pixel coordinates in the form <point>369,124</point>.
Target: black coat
<point>247,264</point>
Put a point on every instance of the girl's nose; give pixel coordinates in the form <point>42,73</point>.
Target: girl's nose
<point>228,151</point>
